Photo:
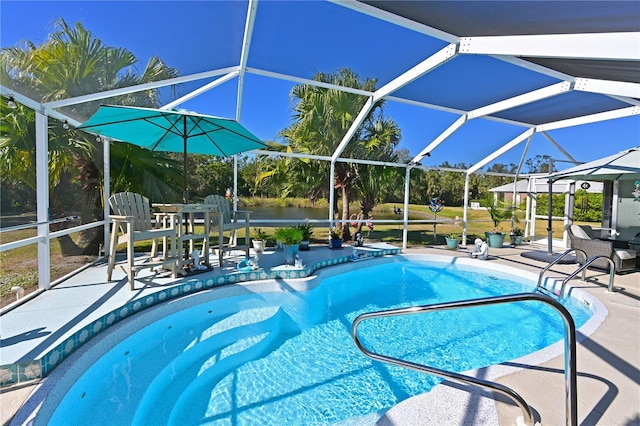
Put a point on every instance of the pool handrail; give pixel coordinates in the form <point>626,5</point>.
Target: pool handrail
<point>555,261</point>
<point>571,399</point>
<point>583,268</point>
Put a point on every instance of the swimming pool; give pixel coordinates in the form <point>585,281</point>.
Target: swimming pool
<point>267,358</point>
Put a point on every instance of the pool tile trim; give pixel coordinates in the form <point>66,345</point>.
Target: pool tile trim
<point>27,371</point>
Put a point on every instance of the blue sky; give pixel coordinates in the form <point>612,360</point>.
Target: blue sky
<point>303,37</point>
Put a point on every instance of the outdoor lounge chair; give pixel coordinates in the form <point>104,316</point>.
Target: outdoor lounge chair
<point>132,222</point>
<point>579,238</point>
<point>227,220</point>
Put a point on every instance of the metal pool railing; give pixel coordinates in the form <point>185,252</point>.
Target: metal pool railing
<point>571,400</point>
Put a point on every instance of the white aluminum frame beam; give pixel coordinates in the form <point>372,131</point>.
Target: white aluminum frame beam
<point>395,19</point>
<point>526,98</point>
<point>300,80</point>
<point>559,148</point>
<point>587,119</point>
<point>623,46</point>
<point>137,88</point>
<point>37,106</point>
<point>244,56</point>
<point>441,138</point>
<point>327,158</point>
<point>607,87</point>
<point>517,140</point>
<point>432,62</point>
<point>201,90</point>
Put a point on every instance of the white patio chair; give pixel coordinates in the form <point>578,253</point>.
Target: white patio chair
<point>228,220</point>
<point>132,222</point>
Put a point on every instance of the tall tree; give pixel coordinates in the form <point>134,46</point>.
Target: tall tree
<point>70,63</point>
<point>322,117</point>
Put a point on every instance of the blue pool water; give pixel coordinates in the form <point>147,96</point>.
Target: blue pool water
<point>288,357</point>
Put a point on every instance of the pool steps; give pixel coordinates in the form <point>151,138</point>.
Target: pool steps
<point>30,370</point>
<point>237,339</point>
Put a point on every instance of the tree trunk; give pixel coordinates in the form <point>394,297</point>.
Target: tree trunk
<point>345,213</point>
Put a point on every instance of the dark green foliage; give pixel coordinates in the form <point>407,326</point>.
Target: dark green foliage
<point>587,208</point>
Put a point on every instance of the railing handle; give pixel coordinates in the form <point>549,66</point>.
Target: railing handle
<point>571,399</point>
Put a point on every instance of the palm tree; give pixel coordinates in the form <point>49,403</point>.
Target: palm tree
<point>322,117</point>
<point>70,63</point>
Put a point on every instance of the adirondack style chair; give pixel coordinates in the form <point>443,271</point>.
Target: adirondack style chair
<point>132,222</point>
<point>228,220</point>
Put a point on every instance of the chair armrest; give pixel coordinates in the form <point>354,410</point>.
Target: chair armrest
<point>245,213</point>
<point>590,246</point>
<point>618,243</point>
<point>117,218</point>
<point>162,218</point>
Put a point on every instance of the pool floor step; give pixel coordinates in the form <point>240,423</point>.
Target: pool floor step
<point>233,344</point>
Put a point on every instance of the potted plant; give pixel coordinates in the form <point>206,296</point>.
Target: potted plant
<point>498,214</point>
<point>307,230</point>
<point>335,238</point>
<point>452,241</point>
<point>259,239</point>
<point>516,236</point>
<point>290,237</point>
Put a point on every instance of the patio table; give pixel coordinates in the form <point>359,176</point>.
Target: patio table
<point>186,235</point>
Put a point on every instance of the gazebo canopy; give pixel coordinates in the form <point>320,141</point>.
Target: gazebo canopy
<point>624,165</point>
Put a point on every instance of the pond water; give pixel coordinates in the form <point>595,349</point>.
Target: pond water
<point>261,213</point>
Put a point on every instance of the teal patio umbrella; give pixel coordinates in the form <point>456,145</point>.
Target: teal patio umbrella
<point>172,131</point>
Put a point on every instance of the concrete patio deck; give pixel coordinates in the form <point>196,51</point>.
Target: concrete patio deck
<point>608,374</point>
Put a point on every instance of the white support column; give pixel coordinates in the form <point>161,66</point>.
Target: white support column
<point>106,156</point>
<point>527,211</point>
<point>569,207</point>
<point>332,194</point>
<point>615,200</point>
<point>534,208</point>
<point>42,190</point>
<point>465,209</point>
<point>405,232</point>
<point>235,182</point>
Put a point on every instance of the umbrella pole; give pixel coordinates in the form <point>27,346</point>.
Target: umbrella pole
<point>550,210</point>
<point>185,192</point>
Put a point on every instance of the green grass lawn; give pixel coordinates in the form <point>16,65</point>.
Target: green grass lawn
<point>19,266</point>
